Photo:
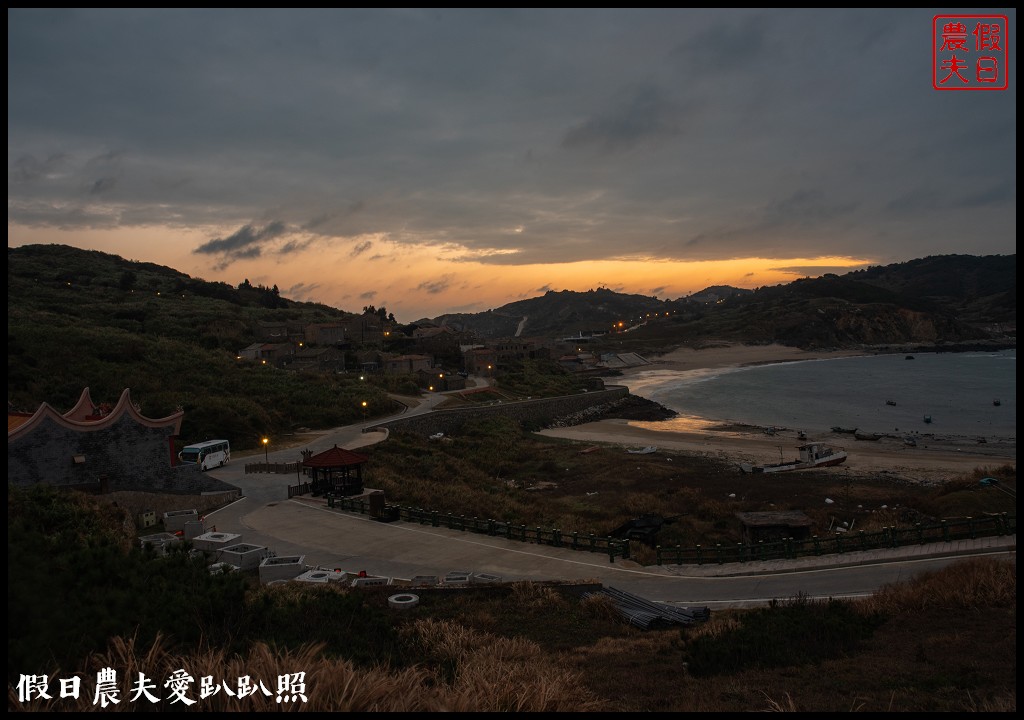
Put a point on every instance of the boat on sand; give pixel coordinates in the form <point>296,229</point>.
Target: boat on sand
<point>866,436</point>
<point>811,455</point>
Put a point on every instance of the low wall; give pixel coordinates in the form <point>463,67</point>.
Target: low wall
<point>542,411</point>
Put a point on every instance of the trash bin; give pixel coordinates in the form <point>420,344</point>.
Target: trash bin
<point>377,504</point>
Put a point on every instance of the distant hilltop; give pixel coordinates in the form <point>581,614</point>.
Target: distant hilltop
<point>933,300</point>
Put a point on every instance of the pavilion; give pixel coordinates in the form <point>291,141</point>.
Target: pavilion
<point>337,471</point>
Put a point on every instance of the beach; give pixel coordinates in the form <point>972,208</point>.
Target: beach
<point>933,460</point>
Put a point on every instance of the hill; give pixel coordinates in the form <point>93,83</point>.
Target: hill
<point>79,318</point>
<point>938,300</point>
<point>556,314</point>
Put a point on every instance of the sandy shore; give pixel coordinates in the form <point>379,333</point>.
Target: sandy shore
<point>934,459</point>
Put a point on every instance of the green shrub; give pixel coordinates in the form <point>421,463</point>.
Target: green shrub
<point>795,632</point>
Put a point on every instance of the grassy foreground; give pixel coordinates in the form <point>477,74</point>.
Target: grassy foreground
<point>917,647</point>
<point>943,642</point>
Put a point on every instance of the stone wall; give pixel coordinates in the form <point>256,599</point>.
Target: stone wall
<point>542,411</point>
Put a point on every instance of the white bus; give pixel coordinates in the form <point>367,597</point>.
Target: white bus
<point>209,454</point>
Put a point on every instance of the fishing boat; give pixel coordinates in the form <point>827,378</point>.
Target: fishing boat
<point>811,455</point>
<point>997,402</point>
<point>890,402</point>
<point>928,418</point>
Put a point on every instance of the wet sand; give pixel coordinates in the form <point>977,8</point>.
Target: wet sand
<point>934,459</point>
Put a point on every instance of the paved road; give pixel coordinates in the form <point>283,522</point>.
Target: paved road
<point>330,538</point>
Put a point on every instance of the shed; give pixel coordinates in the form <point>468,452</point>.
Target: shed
<point>774,526</point>
<point>337,471</point>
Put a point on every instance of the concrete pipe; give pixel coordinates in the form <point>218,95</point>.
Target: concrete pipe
<point>403,601</point>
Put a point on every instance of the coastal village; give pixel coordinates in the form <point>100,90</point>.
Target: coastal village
<point>438,355</point>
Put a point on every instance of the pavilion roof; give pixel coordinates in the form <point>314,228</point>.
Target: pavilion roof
<point>336,457</point>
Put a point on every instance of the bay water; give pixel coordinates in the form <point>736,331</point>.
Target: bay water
<point>970,394</point>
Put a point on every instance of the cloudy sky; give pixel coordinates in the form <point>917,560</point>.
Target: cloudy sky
<point>436,161</point>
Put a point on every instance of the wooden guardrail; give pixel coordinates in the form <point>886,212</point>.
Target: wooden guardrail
<point>790,548</point>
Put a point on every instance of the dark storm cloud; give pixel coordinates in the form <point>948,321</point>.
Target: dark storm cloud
<point>434,287</point>
<point>804,206</point>
<point>924,200</point>
<point>27,168</point>
<point>638,114</point>
<point>102,185</point>
<point>295,246</point>
<point>727,45</point>
<point>246,242</point>
<point>360,248</point>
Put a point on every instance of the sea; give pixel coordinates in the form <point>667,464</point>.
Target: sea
<point>970,394</point>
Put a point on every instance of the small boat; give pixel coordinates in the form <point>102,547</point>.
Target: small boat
<point>644,450</point>
<point>811,455</point>
<point>909,441</point>
<point>848,431</point>
<point>997,402</point>
<point>890,402</point>
<point>866,436</point>
<point>928,418</point>
<point>910,357</point>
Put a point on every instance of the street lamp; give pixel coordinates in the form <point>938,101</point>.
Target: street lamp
<point>364,410</point>
<point>266,453</point>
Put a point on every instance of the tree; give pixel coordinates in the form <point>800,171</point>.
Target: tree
<point>127,280</point>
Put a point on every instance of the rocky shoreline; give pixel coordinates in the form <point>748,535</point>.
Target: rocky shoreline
<point>631,407</point>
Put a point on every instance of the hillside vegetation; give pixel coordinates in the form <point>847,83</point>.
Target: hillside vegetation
<point>78,318</point>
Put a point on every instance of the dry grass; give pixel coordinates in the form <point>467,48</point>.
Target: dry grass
<point>470,671</point>
<point>495,674</point>
<point>981,583</point>
<point>939,650</point>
